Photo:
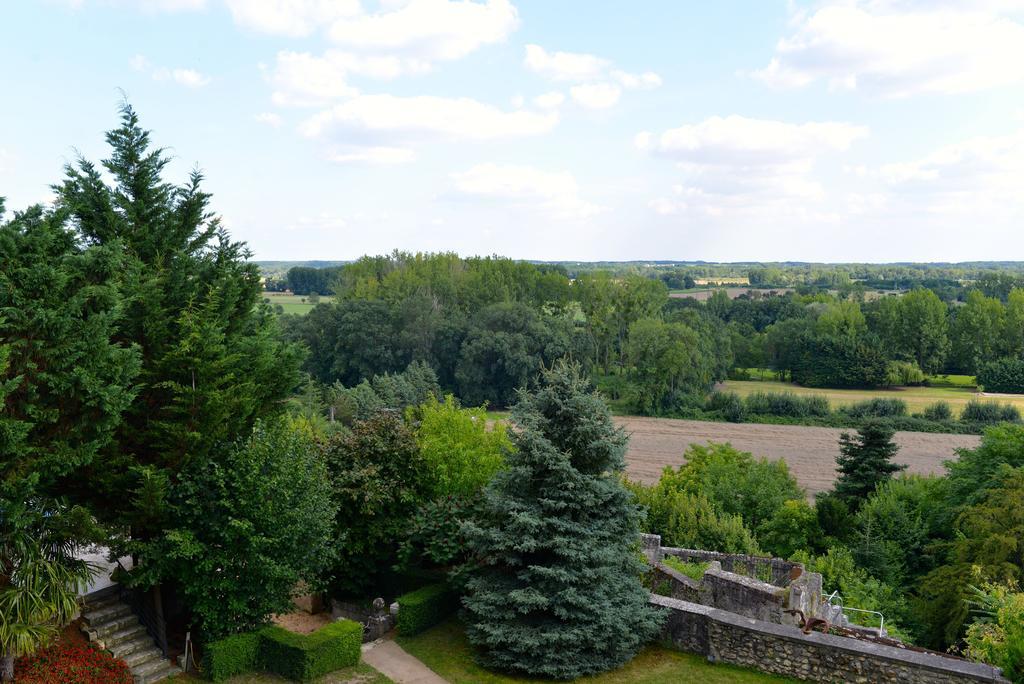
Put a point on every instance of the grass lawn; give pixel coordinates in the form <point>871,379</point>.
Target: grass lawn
<point>292,304</point>
<point>360,674</point>
<point>955,390</point>
<point>444,649</point>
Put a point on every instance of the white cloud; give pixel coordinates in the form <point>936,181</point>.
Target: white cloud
<point>426,118</point>
<point>139,63</point>
<point>303,79</point>
<point>429,29</point>
<point>898,49</point>
<point>556,192</point>
<point>979,176</point>
<point>373,155</point>
<point>740,166</point>
<point>293,18</point>
<point>551,100</point>
<point>596,95</point>
<point>564,66</point>
<point>190,78</point>
<point>645,81</point>
<point>270,118</point>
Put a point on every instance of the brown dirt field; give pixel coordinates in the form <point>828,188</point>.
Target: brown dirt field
<point>810,452</point>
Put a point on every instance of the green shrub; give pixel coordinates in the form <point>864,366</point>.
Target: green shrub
<point>787,404</point>
<point>729,404</point>
<point>903,374</point>
<point>693,570</point>
<point>304,657</point>
<point>421,609</point>
<point>233,655</point>
<point>876,408</point>
<point>989,412</point>
<point>1004,375</point>
<point>940,410</point>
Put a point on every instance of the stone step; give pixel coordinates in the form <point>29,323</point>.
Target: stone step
<point>110,611</point>
<point>151,667</point>
<point>107,627</point>
<point>126,648</point>
<point>168,671</point>
<point>142,656</point>
<point>126,634</point>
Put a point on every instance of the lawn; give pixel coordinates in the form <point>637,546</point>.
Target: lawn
<point>291,303</point>
<point>444,649</point>
<point>360,674</point>
<point>956,390</point>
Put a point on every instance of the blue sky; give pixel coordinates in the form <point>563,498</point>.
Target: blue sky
<point>852,130</point>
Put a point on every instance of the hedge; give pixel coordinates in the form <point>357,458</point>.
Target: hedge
<point>299,657</point>
<point>1004,376</point>
<point>304,657</point>
<point>233,655</point>
<point>421,609</point>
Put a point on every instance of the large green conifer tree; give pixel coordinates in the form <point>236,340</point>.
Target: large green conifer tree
<point>865,461</point>
<point>557,591</point>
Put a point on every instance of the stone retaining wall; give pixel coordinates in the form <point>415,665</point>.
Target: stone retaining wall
<point>726,637</point>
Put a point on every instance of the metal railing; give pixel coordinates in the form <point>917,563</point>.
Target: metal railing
<point>834,599</point>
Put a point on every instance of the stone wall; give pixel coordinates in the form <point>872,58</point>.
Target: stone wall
<point>722,636</point>
<point>775,571</point>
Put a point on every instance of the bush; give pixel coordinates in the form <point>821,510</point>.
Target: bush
<point>304,657</point>
<point>729,404</point>
<point>989,412</point>
<point>693,570</point>
<point>903,374</point>
<point>63,663</point>
<point>787,404</point>
<point>1004,375</point>
<point>876,408</point>
<point>940,410</point>
<point>421,609</point>
<point>230,656</point>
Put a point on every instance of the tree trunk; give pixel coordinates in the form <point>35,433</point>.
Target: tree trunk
<point>7,668</point>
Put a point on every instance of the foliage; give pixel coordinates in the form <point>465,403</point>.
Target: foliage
<point>728,404</point>
<point>693,570</point>
<point>232,655</point>
<point>68,664</point>
<point>734,482</point>
<point>834,518</point>
<point>940,410</point>
<point>557,589</point>
<point>434,536</point>
<point>667,363</point>
<point>864,462</point>
<point>879,407</point>
<point>691,521</point>
<point>998,638</point>
<point>904,374</point>
<point>1003,375</point>
<point>461,449</point>
<point>65,379</point>
<point>506,346</point>
<point>989,412</point>
<point>379,478</point>
<point>786,404</point>
<point>305,657</point>
<point>260,515</point>
<point>40,576</point>
<point>427,606</point>
<point>793,527</point>
<point>976,471</point>
<point>394,391</point>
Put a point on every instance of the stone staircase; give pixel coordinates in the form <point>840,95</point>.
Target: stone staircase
<point>115,627</point>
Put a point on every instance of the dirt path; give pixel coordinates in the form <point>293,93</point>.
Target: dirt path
<point>390,659</point>
<point>810,452</point>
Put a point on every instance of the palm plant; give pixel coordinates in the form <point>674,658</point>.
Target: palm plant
<point>39,575</point>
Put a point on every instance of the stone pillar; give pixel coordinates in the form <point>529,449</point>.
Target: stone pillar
<point>651,544</point>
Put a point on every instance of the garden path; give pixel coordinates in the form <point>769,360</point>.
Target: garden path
<point>393,661</point>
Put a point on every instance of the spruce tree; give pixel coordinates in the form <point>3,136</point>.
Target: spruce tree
<point>557,590</point>
<point>865,461</point>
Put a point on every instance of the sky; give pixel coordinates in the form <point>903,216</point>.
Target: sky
<point>764,130</point>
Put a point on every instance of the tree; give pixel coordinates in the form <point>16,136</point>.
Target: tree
<point>250,525</point>
<point>975,331</point>
<point>668,363</point>
<point>461,451</point>
<point>691,521</point>
<point>39,574</point>
<point>793,527</point>
<point>65,381</point>
<point>379,478</point>
<point>997,637</point>
<point>212,362</point>
<point>865,461</point>
<point>507,345</point>
<point>1003,375</point>
<point>557,590</point>
<point>976,471</point>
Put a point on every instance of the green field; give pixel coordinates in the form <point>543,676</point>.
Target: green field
<point>444,650</point>
<point>956,390</point>
<point>291,303</point>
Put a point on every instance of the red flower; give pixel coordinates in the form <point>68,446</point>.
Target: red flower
<point>68,664</point>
